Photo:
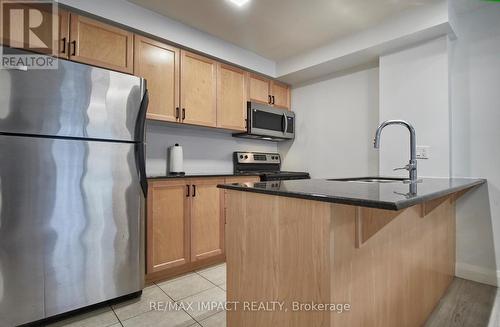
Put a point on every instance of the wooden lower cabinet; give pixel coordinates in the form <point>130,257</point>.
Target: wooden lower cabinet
<point>185,225</point>
<point>167,225</point>
<point>207,219</point>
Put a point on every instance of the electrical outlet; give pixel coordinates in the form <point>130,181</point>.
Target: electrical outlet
<point>423,151</point>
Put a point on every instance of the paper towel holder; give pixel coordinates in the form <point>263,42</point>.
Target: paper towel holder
<point>175,150</point>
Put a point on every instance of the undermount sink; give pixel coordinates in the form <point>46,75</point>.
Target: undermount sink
<point>372,180</point>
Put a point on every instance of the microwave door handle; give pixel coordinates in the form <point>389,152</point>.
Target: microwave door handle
<point>286,124</point>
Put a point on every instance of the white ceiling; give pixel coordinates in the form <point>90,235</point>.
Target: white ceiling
<point>278,29</point>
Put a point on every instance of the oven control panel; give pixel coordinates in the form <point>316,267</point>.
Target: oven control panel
<point>257,158</point>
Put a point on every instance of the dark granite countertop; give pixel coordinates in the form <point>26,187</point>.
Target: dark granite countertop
<point>201,175</point>
<point>390,196</point>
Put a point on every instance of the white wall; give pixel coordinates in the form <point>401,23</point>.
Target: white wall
<point>475,94</point>
<point>414,87</point>
<point>450,91</point>
<point>129,14</point>
<point>335,120</point>
<point>205,151</point>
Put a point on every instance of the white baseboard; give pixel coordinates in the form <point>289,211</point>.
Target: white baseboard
<point>477,274</point>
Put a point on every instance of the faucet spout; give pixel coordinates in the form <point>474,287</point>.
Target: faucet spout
<point>412,165</point>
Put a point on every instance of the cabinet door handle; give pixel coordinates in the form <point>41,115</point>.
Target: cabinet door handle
<point>273,99</point>
<point>270,100</point>
<point>194,191</point>
<point>177,113</point>
<point>63,45</point>
<point>73,43</point>
<point>183,113</point>
<point>188,191</point>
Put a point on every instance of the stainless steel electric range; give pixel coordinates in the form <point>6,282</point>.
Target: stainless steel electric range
<point>266,165</point>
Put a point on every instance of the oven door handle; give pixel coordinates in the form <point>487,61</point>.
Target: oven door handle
<point>286,124</point>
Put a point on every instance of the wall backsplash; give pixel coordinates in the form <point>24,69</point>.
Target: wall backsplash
<point>205,151</point>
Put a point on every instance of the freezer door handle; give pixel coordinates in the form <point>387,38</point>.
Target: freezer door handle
<point>141,118</point>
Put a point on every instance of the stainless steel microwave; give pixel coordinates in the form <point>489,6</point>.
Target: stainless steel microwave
<point>268,123</point>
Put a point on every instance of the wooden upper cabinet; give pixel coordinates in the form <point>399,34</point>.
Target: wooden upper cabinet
<point>159,64</point>
<point>168,239</point>
<point>207,219</point>
<point>264,90</point>
<point>96,43</point>
<point>258,88</point>
<point>52,35</point>
<point>198,89</point>
<point>63,37</point>
<point>281,95</point>
<point>231,97</point>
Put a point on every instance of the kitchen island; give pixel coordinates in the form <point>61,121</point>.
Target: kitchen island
<point>338,252</point>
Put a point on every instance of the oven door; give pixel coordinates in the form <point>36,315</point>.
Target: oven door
<point>266,121</point>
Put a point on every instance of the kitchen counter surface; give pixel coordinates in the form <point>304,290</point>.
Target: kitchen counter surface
<point>389,196</point>
<point>201,175</point>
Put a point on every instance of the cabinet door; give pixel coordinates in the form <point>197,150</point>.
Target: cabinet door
<point>258,88</point>
<point>100,44</point>
<point>207,219</point>
<point>281,95</point>
<point>231,98</point>
<point>168,239</point>
<point>57,33</point>
<point>198,89</point>
<point>159,64</point>
<point>63,39</point>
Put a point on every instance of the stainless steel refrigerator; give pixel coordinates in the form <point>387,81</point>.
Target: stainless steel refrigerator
<point>72,189</point>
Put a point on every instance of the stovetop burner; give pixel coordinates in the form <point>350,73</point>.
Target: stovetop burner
<point>266,165</point>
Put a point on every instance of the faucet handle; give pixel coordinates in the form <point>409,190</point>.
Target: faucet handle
<point>407,167</point>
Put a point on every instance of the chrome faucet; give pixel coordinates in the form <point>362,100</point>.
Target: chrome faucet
<point>412,165</point>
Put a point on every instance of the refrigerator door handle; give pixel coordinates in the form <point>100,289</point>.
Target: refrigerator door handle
<point>140,158</point>
<point>140,146</point>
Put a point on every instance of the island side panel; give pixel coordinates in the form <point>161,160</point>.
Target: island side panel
<point>278,249</point>
<point>285,249</point>
<point>396,277</point>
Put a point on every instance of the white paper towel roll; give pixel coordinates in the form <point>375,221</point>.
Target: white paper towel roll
<point>176,159</point>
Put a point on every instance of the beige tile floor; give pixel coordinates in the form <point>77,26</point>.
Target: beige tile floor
<point>465,304</point>
<point>201,286</point>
